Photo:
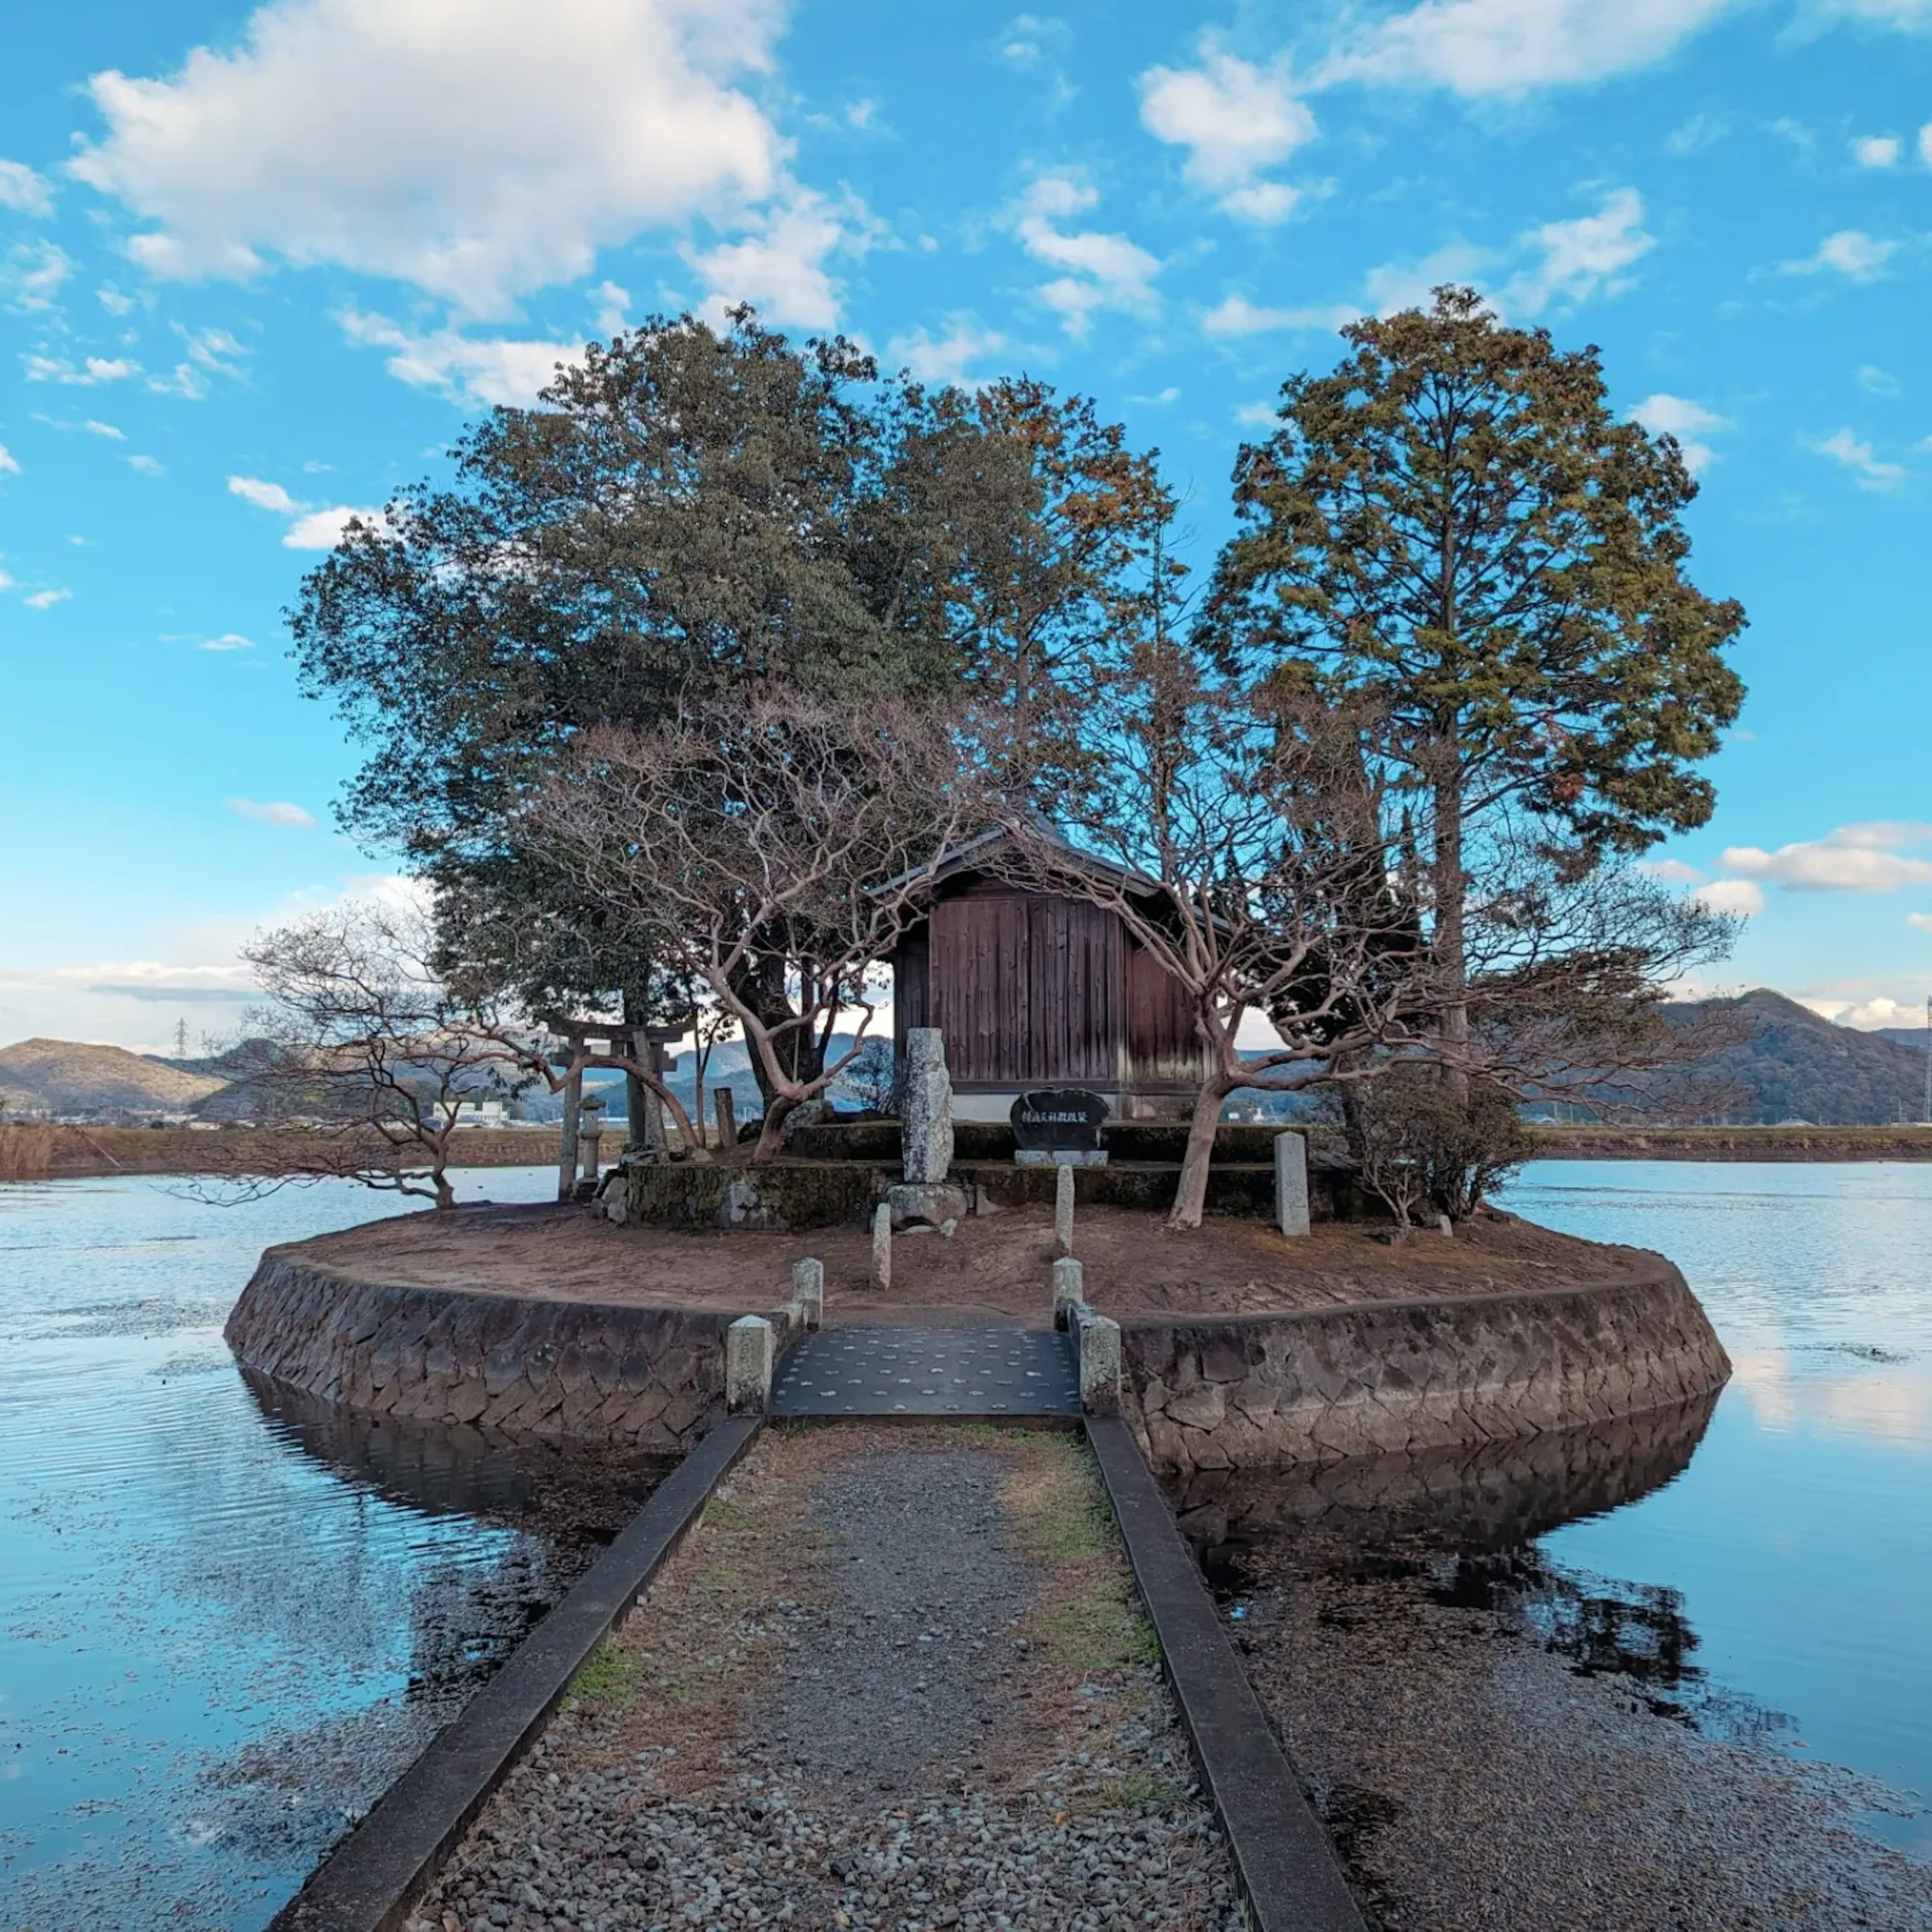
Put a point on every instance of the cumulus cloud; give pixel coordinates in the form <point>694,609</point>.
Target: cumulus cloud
<point>780,266</point>
<point>1858,456</point>
<point>1850,252</point>
<point>1672,871</point>
<point>1574,260</point>
<point>1235,120</point>
<point>1479,47</point>
<point>280,812</point>
<point>148,465</point>
<point>482,371</point>
<point>96,369</point>
<point>22,189</point>
<point>10,464</point>
<point>310,527</point>
<point>1104,271</point>
<point>949,358</point>
<point>1876,151</point>
<point>1879,1010</point>
<point>1922,921</point>
<point>476,151</point>
<point>33,274</point>
<point>1863,858</point>
<point>1744,897</point>
<point>107,429</point>
<point>46,600</point>
<point>1689,422</point>
<point>1238,316</point>
<point>228,641</point>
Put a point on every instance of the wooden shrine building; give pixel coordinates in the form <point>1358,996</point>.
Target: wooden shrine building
<point>1035,989</point>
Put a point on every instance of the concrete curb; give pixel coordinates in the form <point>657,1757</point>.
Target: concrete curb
<point>1289,1869</point>
<point>372,1878</point>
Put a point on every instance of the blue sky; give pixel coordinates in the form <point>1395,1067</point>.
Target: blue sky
<point>258,265</point>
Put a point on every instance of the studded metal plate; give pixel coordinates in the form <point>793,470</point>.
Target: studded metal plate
<point>855,1370</point>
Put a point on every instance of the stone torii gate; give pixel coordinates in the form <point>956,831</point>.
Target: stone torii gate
<point>599,1041</point>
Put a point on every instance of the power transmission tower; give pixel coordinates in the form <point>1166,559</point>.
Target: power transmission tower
<point>1928,1060</point>
<point>181,1033</point>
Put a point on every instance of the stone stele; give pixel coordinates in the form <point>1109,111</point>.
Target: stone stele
<point>925,1110</point>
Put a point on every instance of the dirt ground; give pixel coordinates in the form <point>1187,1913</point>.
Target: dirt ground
<point>996,1264</point>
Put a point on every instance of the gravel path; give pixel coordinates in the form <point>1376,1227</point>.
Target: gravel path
<point>895,1681</point>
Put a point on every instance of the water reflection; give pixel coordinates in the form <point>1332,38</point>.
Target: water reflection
<point>228,1616</point>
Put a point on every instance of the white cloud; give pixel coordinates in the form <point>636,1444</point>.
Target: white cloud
<point>1922,921</point>
<point>484,371</point>
<point>22,189</point>
<point>1400,285</point>
<point>1876,151</point>
<point>210,352</point>
<point>263,496</point>
<point>310,528</point>
<point>1577,259</point>
<point>1672,871</point>
<point>280,812</point>
<point>107,429</point>
<point>476,151</point>
<point>228,641</point>
<point>45,600</point>
<point>1106,271</point>
<point>1853,859</point>
<point>1689,422</point>
<point>1850,252</point>
<point>1842,446</point>
<point>1509,46</point>
<point>96,369</point>
<point>1925,144</point>
<point>1022,40</point>
<point>148,466</point>
<point>1880,382</point>
<point>10,464</point>
<point>780,268</point>
<point>947,358</point>
<point>1742,896</point>
<point>34,273</point>
<point>1238,316</point>
<point>1235,120</point>
<point>1879,1010</point>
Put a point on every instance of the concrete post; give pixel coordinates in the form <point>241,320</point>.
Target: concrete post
<point>925,1109</point>
<point>1099,1363</point>
<point>726,1109</point>
<point>1069,1293</point>
<point>748,1355</point>
<point>808,1289</point>
<point>1290,1184</point>
<point>1063,1208</point>
<point>566,1150</point>
<point>882,1246</point>
<point>590,1138</point>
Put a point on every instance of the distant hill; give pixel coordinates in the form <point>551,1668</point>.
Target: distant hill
<point>1796,1065</point>
<point>64,1076</point>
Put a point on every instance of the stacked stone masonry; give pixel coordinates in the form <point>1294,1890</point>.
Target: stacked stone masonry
<point>1318,1385</point>
<point>649,1378</point>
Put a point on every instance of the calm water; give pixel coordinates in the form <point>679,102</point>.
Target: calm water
<point>223,1625</point>
<point>1796,1548</point>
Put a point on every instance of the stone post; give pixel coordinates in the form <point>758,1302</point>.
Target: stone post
<point>1290,1184</point>
<point>925,1111</point>
<point>726,1109</point>
<point>1069,1293</point>
<point>808,1290</point>
<point>1099,1340</point>
<point>1063,1208</point>
<point>882,1246</point>
<point>566,1150</point>
<point>590,1138</point>
<point>748,1355</point>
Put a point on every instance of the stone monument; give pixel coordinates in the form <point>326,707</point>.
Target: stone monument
<point>926,1197</point>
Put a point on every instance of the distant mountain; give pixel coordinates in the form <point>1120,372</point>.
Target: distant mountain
<point>64,1076</point>
<point>1794,1065</point>
<point>1915,1037</point>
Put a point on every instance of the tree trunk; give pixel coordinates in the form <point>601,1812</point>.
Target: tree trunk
<point>1190,1197</point>
<point>762,991</point>
<point>771,1135</point>
<point>1449,886</point>
<point>637,1016</point>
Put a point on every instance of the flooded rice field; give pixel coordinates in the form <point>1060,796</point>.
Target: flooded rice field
<point>226,1622</point>
<point>1671,1672</point>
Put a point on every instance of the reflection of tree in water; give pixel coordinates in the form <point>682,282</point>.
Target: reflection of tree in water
<point>1636,1632</point>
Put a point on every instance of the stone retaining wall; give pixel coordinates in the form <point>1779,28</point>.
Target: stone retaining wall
<point>1318,1384</point>
<point>651,1377</point>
